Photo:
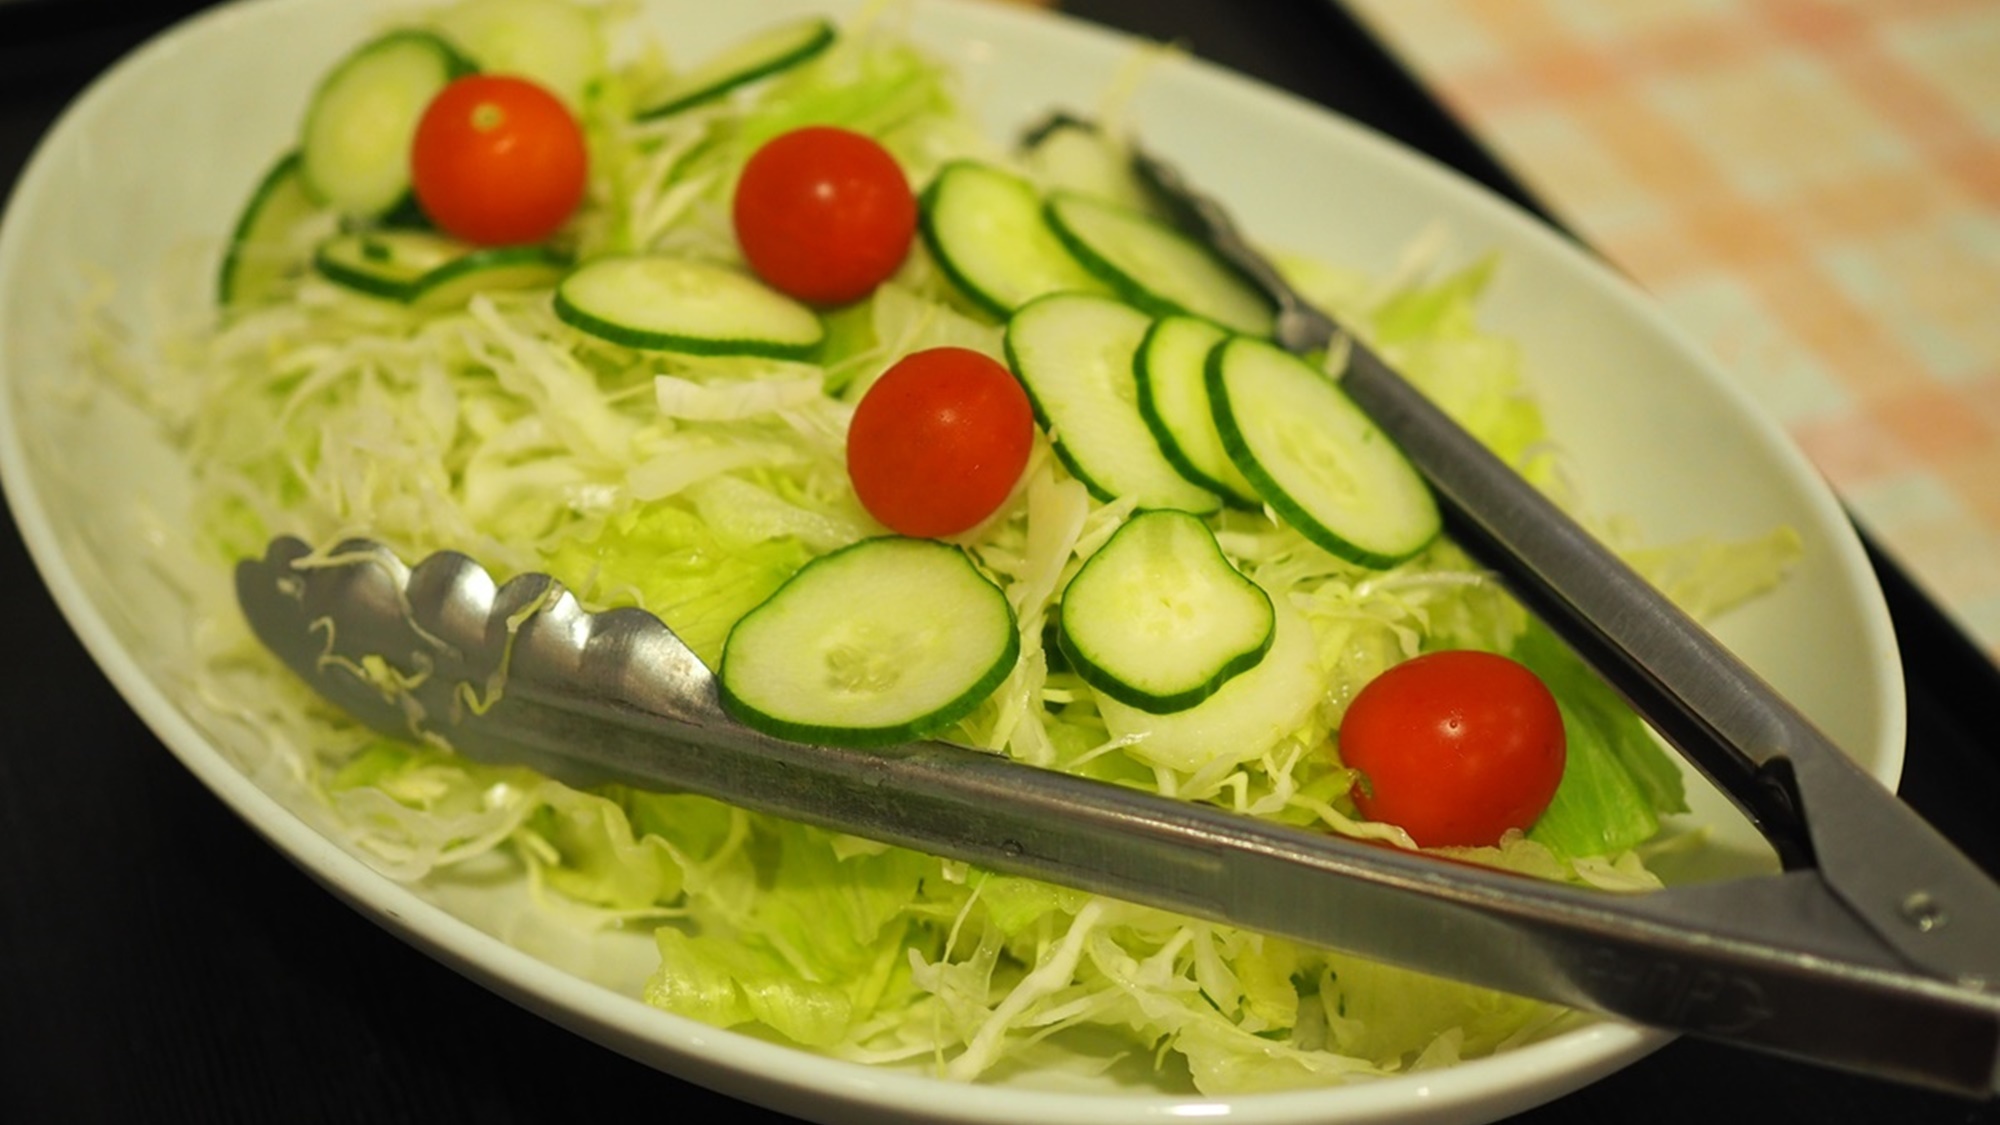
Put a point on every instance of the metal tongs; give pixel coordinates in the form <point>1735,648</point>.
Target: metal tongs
<point>1876,949</point>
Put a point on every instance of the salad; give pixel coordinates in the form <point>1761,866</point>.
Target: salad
<point>600,353</point>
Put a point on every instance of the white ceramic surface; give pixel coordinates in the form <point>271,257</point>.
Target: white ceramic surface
<point>150,164</point>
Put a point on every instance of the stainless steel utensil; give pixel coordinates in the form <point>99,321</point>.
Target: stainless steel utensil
<point>1876,950</point>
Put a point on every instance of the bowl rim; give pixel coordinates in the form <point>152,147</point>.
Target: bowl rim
<point>786,1077</point>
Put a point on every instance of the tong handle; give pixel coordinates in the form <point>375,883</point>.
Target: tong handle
<point>1773,963</point>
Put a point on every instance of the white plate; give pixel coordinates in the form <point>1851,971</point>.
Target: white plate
<point>157,155</point>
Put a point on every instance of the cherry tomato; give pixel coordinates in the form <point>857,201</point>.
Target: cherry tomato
<point>937,443</point>
<point>824,214</point>
<point>1455,748</point>
<point>498,161</point>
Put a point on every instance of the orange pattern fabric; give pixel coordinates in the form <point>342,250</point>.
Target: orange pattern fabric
<point>1811,188</point>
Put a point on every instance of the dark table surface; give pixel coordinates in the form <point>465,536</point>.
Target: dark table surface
<point>160,963</point>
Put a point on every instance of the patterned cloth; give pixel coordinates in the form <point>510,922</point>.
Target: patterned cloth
<point>1811,188</point>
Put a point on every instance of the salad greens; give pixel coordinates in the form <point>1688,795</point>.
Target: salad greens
<point>695,486</point>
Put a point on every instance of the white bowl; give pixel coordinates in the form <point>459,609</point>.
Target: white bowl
<point>151,163</point>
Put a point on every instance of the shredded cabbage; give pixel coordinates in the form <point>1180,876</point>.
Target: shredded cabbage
<point>695,486</point>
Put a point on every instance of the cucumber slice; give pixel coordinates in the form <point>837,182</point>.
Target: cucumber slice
<point>555,43</point>
<point>431,270</point>
<point>1316,459</point>
<point>269,247</point>
<point>1156,267</point>
<point>680,304</point>
<point>881,642</point>
<point>385,263</point>
<point>986,229</point>
<point>355,148</point>
<point>1242,721</point>
<point>1075,354</point>
<point>1159,620</point>
<point>496,269</point>
<point>777,48</point>
<point>1173,399</point>
<point>1074,155</point>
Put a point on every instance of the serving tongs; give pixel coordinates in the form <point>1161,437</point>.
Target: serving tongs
<point>1876,948</point>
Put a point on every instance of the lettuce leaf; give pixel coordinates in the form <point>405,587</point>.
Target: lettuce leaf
<point>1619,781</point>
<point>667,558</point>
<point>793,933</point>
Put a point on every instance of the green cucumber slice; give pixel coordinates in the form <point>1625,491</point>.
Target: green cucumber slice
<point>1155,266</point>
<point>385,263</point>
<point>1073,155</point>
<point>680,304</point>
<point>270,245</point>
<point>986,229</point>
<point>1315,458</point>
<point>1172,367</point>
<point>495,269</point>
<point>555,43</point>
<point>1075,353</point>
<point>355,145</point>
<point>882,642</point>
<point>431,270</point>
<point>777,48</point>
<point>1244,719</point>
<point>1158,619</point>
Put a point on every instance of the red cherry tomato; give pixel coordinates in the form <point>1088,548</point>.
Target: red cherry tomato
<point>1455,748</point>
<point>498,161</point>
<point>824,214</point>
<point>937,443</point>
